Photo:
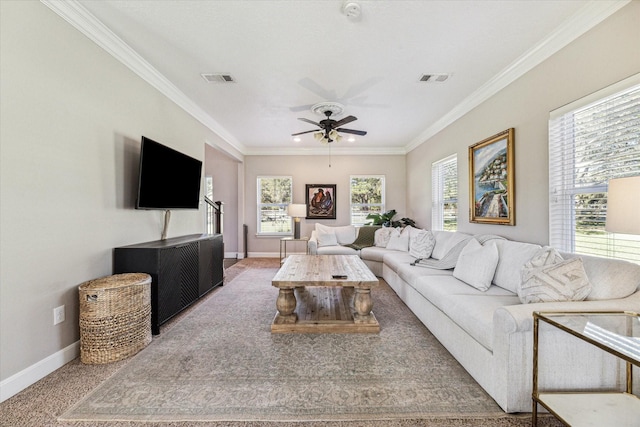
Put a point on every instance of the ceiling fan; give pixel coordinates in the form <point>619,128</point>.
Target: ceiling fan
<point>329,128</point>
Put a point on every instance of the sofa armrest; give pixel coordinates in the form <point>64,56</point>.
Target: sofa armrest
<point>312,244</point>
<point>519,318</point>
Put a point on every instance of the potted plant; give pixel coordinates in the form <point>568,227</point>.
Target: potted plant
<point>386,220</point>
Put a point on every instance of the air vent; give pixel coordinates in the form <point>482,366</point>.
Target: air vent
<point>435,78</point>
<point>218,78</point>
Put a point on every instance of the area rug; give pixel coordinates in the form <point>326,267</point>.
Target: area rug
<point>220,362</point>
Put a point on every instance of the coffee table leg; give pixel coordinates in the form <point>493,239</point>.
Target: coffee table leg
<point>363,305</point>
<point>286,305</point>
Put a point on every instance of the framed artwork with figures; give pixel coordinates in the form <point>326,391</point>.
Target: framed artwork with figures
<point>492,191</point>
<point>321,201</point>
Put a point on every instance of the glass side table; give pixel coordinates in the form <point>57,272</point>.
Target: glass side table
<point>283,245</point>
<point>617,333</point>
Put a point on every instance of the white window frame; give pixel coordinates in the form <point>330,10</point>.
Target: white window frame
<point>612,113</point>
<point>352,205</point>
<point>281,217</point>
<point>440,179</point>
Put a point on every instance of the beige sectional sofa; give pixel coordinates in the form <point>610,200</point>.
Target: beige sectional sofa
<point>489,331</point>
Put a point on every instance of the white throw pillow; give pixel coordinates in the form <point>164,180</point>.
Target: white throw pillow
<point>381,236</point>
<point>326,238</point>
<point>548,278</point>
<point>445,241</point>
<point>398,241</point>
<point>477,264</point>
<point>421,244</point>
<point>513,256</point>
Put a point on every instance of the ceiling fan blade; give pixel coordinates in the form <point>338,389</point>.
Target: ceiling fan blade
<point>309,121</point>
<point>355,132</point>
<point>345,120</point>
<point>300,133</point>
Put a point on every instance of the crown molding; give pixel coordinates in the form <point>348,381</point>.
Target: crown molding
<point>323,150</point>
<point>81,19</point>
<point>582,21</point>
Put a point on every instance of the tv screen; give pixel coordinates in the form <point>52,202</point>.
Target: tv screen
<point>168,179</point>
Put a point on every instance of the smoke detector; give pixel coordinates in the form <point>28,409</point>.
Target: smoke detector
<point>351,10</point>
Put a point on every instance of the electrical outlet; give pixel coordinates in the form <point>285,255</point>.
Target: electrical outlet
<point>58,315</point>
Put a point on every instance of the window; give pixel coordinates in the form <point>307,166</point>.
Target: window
<point>592,141</point>
<point>367,196</point>
<point>274,195</point>
<point>444,194</point>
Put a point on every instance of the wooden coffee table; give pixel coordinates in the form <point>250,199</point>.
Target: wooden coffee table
<point>311,300</point>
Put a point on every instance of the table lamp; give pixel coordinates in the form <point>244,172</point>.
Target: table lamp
<point>623,206</point>
<point>296,212</point>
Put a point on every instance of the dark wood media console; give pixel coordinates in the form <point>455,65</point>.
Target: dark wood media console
<point>182,270</point>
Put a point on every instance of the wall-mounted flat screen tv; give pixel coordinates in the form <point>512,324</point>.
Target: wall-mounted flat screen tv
<point>168,179</point>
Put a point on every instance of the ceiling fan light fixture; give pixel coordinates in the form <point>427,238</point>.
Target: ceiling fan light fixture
<point>319,136</point>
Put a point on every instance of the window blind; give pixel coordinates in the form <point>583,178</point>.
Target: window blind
<point>444,194</point>
<point>590,142</point>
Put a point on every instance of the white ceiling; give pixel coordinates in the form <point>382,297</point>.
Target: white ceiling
<point>288,55</point>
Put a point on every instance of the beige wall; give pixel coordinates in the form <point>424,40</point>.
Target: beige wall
<point>316,170</point>
<point>72,117</point>
<point>606,54</point>
<point>224,171</point>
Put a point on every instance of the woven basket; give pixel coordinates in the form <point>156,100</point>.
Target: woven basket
<point>115,317</point>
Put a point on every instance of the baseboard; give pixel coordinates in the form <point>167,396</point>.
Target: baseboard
<point>263,255</point>
<point>34,373</point>
<point>232,255</point>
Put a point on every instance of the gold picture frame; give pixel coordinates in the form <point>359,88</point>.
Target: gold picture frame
<point>492,191</point>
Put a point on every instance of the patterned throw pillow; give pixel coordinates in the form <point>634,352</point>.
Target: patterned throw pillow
<point>398,241</point>
<point>382,236</point>
<point>421,244</point>
<point>547,278</point>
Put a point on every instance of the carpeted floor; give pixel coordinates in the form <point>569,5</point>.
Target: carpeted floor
<point>218,364</point>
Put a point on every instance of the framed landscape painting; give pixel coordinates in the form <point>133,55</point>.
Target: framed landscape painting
<point>492,180</point>
<point>321,201</point>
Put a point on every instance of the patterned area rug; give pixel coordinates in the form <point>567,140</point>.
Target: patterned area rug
<point>220,362</point>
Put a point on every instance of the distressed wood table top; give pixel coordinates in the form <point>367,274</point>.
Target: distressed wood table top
<point>317,270</point>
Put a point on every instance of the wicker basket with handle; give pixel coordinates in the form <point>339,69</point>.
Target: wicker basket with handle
<point>115,317</point>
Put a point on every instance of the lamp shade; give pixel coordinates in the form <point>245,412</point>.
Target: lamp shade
<point>296,210</point>
<point>623,206</point>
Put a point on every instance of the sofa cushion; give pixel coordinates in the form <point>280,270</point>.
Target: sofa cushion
<point>336,250</point>
<point>445,241</point>
<point>373,253</point>
<point>547,278</point>
<point>399,241</point>
<point>395,259</point>
<point>477,264</point>
<point>421,243</point>
<point>512,257</point>
<point>609,278</point>
<point>412,274</point>
<point>326,238</point>
<point>345,234</point>
<point>469,308</point>
<point>382,235</point>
